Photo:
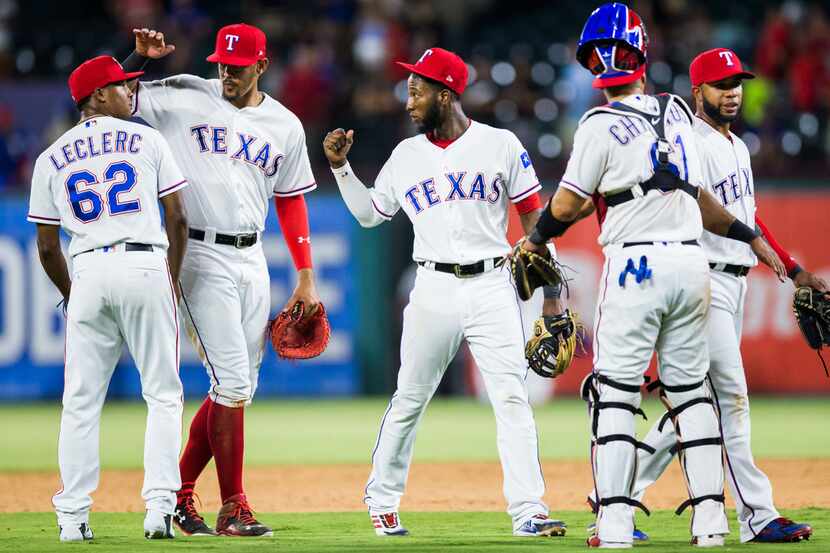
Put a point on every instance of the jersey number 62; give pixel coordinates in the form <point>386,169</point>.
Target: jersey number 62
<point>87,204</point>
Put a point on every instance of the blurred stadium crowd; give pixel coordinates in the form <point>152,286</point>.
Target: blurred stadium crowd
<point>332,64</point>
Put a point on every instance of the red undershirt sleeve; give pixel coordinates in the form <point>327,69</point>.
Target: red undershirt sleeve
<point>293,216</point>
<point>529,204</point>
<point>789,262</point>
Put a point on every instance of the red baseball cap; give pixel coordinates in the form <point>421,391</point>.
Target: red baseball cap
<point>97,73</point>
<point>441,65</point>
<point>239,44</point>
<point>715,65</point>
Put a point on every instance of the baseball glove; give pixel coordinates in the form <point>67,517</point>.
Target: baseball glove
<point>532,270</point>
<point>812,311</point>
<point>551,349</point>
<point>295,337</point>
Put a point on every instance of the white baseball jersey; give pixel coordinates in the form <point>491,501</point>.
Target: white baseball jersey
<point>612,153</point>
<point>101,182</point>
<point>727,174</point>
<point>457,197</point>
<point>236,159</point>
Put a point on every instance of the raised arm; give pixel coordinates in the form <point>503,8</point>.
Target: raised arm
<point>358,200</point>
<point>149,44</point>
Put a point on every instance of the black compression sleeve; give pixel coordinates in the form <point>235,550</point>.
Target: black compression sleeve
<point>548,227</point>
<point>134,62</point>
<point>741,232</point>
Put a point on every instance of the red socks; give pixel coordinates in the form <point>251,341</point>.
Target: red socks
<point>197,452</point>
<point>226,432</point>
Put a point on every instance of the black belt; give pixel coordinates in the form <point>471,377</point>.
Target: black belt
<point>128,247</point>
<point>236,240</point>
<point>657,243</point>
<point>461,271</point>
<point>737,270</point>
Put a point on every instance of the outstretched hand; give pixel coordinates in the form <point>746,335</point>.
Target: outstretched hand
<point>150,43</point>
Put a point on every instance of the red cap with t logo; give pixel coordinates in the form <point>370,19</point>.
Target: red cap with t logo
<point>442,66</point>
<point>716,65</point>
<point>239,44</point>
<point>97,73</point>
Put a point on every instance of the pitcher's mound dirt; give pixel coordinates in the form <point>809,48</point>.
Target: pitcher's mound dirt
<point>432,487</point>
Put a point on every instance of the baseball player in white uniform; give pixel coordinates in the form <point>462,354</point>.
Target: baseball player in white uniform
<point>455,181</point>
<point>102,181</point>
<point>238,148</point>
<point>716,77</point>
<point>636,159</point>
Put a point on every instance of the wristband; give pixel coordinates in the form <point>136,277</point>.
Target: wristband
<point>741,232</point>
<point>340,173</point>
<point>548,227</point>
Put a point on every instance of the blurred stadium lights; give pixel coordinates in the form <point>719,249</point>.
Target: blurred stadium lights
<point>545,110</point>
<point>503,73</point>
<point>791,143</point>
<point>753,143</point>
<point>542,73</point>
<point>506,111</point>
<point>549,145</point>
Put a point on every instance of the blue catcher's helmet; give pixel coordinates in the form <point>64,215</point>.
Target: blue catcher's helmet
<point>613,45</point>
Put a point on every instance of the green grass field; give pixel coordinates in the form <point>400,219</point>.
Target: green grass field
<point>343,431</point>
<point>326,432</point>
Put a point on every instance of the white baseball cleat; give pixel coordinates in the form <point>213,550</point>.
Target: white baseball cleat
<point>158,525</point>
<point>541,525</point>
<point>76,532</point>
<point>388,524</point>
<point>712,540</point>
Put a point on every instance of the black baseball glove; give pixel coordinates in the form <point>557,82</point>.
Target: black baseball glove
<point>812,311</point>
<point>532,270</point>
<point>551,349</point>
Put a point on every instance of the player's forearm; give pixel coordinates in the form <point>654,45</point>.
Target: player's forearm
<point>356,196</point>
<point>292,214</point>
<point>719,221</point>
<point>53,262</point>
<point>175,223</point>
<point>789,261</point>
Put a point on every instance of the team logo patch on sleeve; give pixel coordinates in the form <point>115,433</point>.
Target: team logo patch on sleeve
<point>525,160</point>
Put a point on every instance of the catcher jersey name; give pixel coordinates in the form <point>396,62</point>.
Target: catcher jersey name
<point>214,140</point>
<point>107,191</point>
<point>627,128</point>
<point>119,142</point>
<point>461,216</point>
<point>727,174</point>
<point>236,159</point>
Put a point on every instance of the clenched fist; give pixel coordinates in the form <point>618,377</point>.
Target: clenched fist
<point>336,146</point>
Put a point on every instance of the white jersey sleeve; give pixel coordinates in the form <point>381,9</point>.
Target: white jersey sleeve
<point>294,174</point>
<point>587,163</point>
<point>42,208</point>
<point>154,100</point>
<point>170,177</point>
<point>384,199</point>
<point>521,176</point>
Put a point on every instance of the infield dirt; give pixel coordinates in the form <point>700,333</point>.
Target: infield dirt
<point>432,487</point>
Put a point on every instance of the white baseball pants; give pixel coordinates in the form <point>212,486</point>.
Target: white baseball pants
<point>750,487</point>
<point>666,310</point>
<point>226,298</point>
<point>442,311</point>
<point>119,298</point>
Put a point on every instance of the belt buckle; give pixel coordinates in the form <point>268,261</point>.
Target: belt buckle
<point>239,241</point>
<point>457,271</point>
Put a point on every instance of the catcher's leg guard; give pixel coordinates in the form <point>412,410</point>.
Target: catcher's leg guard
<point>612,406</point>
<point>699,449</point>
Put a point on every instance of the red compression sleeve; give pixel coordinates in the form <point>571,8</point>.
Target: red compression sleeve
<point>293,216</point>
<point>789,261</point>
<point>529,204</point>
